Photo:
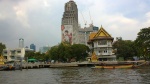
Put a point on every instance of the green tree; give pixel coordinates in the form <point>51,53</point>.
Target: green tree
<point>67,53</point>
<point>39,56</point>
<point>80,51</point>
<point>143,43</point>
<point>2,46</point>
<point>36,55</point>
<point>53,53</point>
<point>30,54</point>
<point>125,49</point>
<point>64,52</point>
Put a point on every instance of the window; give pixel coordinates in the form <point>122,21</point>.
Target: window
<point>5,52</point>
<point>18,58</point>
<point>18,51</point>
<point>102,42</point>
<point>105,51</point>
<point>12,57</point>
<point>5,57</point>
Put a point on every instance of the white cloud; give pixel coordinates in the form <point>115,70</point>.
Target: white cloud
<point>2,16</point>
<point>46,3</point>
<point>42,18</point>
<point>147,22</point>
<point>117,23</point>
<point>148,14</point>
<point>21,16</point>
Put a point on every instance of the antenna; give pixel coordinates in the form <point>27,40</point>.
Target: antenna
<point>84,19</point>
<point>90,18</point>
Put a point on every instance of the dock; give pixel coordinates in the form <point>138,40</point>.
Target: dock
<point>75,64</point>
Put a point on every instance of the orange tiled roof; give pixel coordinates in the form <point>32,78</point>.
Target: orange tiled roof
<point>92,35</point>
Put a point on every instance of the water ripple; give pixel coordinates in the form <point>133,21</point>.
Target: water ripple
<point>76,75</point>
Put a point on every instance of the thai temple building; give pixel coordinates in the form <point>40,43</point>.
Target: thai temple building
<point>100,44</point>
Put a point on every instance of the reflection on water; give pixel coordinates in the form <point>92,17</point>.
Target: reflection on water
<point>82,75</point>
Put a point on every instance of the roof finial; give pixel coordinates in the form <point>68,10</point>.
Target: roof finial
<point>101,26</point>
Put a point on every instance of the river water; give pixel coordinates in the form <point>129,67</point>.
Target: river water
<point>76,75</point>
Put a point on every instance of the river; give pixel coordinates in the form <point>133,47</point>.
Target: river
<point>76,75</point>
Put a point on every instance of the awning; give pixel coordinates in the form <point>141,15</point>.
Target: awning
<point>32,60</point>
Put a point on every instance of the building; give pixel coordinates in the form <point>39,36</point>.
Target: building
<point>100,44</point>
<point>69,25</point>
<point>33,47</point>
<point>21,43</point>
<point>70,30</point>
<point>44,49</point>
<point>15,54</point>
<point>85,32</point>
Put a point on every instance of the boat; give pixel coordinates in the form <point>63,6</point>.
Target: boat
<point>114,66</point>
<point>2,67</point>
<point>119,66</point>
<point>6,67</point>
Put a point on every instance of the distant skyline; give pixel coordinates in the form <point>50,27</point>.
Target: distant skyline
<point>39,21</point>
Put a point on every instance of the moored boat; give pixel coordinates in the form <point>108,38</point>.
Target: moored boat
<point>6,67</point>
<point>119,66</point>
<point>114,66</point>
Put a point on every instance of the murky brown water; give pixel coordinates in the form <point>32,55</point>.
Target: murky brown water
<point>82,75</point>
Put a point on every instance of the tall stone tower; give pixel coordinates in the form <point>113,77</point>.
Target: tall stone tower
<point>69,26</point>
<point>70,16</point>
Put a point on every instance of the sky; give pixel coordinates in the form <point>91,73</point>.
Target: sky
<point>39,21</point>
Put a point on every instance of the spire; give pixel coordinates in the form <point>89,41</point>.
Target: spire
<point>101,26</point>
<point>102,32</point>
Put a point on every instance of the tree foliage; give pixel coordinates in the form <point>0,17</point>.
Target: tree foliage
<point>125,49</point>
<point>2,46</point>
<point>80,51</point>
<point>143,43</point>
<point>65,52</point>
<point>36,55</point>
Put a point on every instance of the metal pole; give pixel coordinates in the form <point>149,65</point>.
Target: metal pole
<point>27,63</point>
<point>21,64</point>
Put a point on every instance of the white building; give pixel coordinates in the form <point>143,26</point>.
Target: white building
<point>100,44</point>
<point>15,54</point>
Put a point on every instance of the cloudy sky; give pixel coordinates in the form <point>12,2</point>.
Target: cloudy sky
<point>38,21</point>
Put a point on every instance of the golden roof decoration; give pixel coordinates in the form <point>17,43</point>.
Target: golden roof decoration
<point>2,60</point>
<point>102,33</point>
<point>94,57</point>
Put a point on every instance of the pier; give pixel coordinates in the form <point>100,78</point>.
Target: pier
<point>76,64</point>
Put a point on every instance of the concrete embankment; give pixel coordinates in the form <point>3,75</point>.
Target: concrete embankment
<point>76,64</point>
<point>64,65</point>
<point>52,65</point>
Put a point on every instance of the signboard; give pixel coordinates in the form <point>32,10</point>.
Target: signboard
<point>67,31</point>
